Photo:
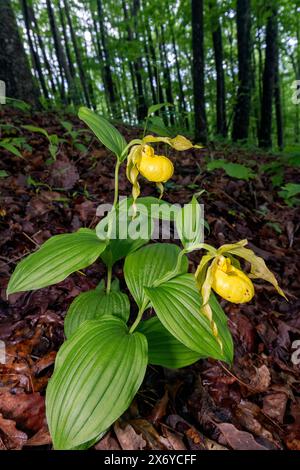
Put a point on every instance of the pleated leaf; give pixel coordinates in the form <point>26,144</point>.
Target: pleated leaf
<point>97,374</point>
<point>57,258</point>
<point>148,264</point>
<point>163,348</point>
<point>93,305</point>
<point>103,130</point>
<point>177,304</point>
<point>189,224</point>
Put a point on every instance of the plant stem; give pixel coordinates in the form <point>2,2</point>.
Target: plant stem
<point>109,275</point>
<point>170,274</point>
<point>117,168</point>
<point>139,317</point>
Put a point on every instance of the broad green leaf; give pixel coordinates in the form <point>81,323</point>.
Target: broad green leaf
<point>104,131</point>
<point>177,304</point>
<point>3,174</point>
<point>94,304</point>
<point>235,170</point>
<point>156,107</point>
<point>190,224</point>
<point>11,148</point>
<point>39,130</point>
<point>97,374</point>
<point>150,263</point>
<point>163,348</point>
<point>57,258</point>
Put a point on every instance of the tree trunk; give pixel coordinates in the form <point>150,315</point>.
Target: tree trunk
<point>42,49</point>
<point>131,67</point>
<point>182,101</point>
<point>160,94</point>
<point>14,66</point>
<point>66,40</point>
<point>150,71</point>
<point>198,71</point>
<point>95,33</point>
<point>265,134</point>
<point>297,73</point>
<point>137,65</point>
<point>278,106</point>
<point>243,102</point>
<point>61,58</point>
<point>218,53</point>
<point>35,57</point>
<point>107,66</point>
<point>167,74</point>
<point>83,79</point>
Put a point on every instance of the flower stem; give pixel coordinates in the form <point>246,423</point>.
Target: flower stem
<point>116,196</point>
<point>109,275</point>
<point>139,316</point>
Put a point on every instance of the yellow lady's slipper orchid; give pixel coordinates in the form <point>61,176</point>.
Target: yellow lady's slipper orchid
<point>155,168</point>
<point>231,283</point>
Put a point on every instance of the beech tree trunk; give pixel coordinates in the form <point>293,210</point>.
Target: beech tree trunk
<point>35,57</point>
<point>269,76</point>
<point>243,102</point>
<point>198,71</point>
<point>220,83</point>
<point>110,86</point>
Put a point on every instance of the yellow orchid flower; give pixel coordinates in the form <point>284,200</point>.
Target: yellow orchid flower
<point>219,270</point>
<point>155,168</point>
<point>231,283</point>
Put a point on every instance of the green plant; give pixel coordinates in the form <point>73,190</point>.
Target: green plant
<point>289,192</point>
<point>53,139</point>
<point>234,170</point>
<point>74,135</point>
<point>15,145</point>
<point>102,364</point>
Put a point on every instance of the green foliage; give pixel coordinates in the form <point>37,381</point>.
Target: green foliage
<point>53,139</point>
<point>234,170</point>
<point>93,305</point>
<point>163,348</point>
<point>188,224</point>
<point>57,258</point>
<point>177,305</point>
<point>101,366</point>
<point>289,192</point>
<point>97,373</point>
<point>104,131</point>
<point>140,271</point>
<point>15,145</point>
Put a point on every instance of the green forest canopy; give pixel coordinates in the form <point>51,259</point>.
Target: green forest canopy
<point>227,67</point>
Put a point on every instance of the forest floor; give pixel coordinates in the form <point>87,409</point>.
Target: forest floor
<point>253,405</point>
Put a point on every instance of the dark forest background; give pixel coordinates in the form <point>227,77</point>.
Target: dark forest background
<point>227,67</point>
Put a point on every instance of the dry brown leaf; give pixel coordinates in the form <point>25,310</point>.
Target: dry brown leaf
<point>128,438</point>
<point>11,437</point>
<point>239,440</point>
